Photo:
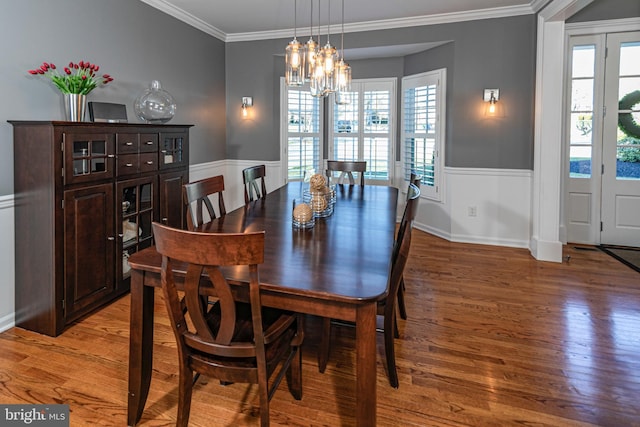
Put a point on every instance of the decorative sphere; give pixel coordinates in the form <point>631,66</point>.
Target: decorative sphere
<point>302,213</point>
<point>155,105</point>
<point>317,181</point>
<point>318,202</point>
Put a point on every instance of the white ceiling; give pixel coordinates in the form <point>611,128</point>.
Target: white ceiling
<point>236,20</point>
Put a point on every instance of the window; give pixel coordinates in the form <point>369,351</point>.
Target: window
<point>423,112</point>
<point>363,129</point>
<point>583,61</point>
<point>303,132</point>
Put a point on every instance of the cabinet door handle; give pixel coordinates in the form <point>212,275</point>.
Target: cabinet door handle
<point>163,151</point>
<point>129,165</point>
<point>150,162</point>
<point>121,235</point>
<point>111,238</point>
<point>165,220</point>
<point>149,142</point>
<point>111,156</point>
<point>128,144</point>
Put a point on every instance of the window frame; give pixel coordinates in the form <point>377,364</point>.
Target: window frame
<point>361,86</point>
<point>285,134</point>
<point>438,78</point>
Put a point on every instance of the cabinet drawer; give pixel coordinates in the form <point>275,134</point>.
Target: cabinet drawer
<point>148,162</point>
<point>148,142</point>
<point>127,164</point>
<point>127,143</point>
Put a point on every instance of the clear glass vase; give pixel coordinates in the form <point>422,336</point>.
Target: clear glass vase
<point>155,105</point>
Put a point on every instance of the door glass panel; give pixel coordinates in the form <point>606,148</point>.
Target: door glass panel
<point>346,148</point>
<point>376,153</point>
<point>628,135</point>
<point>345,117</point>
<point>581,126</point>
<point>376,105</point>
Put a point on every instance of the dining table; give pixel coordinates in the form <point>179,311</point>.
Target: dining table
<point>338,269</point>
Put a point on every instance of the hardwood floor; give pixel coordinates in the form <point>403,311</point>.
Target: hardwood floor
<point>493,338</point>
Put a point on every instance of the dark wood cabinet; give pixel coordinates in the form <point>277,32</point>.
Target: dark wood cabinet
<point>86,195</point>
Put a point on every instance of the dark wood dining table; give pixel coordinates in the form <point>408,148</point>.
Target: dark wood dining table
<point>336,269</point>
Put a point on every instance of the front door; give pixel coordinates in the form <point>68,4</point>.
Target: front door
<point>621,142</point>
<point>603,132</point>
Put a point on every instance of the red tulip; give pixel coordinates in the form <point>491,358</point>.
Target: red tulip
<point>81,64</point>
<point>84,77</point>
<point>53,66</point>
<point>70,64</point>
<point>40,71</point>
<point>33,72</point>
<point>66,70</point>
<point>97,68</point>
<point>45,66</point>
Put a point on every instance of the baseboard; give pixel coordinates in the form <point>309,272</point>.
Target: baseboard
<point>7,322</point>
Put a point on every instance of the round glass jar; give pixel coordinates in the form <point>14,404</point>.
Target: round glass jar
<point>155,105</point>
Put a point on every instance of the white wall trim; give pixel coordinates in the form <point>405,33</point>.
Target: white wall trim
<point>545,241</point>
<point>598,27</point>
<point>7,262</point>
<point>489,206</point>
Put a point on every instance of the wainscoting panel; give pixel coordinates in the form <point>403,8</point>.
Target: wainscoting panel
<point>7,264</point>
<point>490,206</point>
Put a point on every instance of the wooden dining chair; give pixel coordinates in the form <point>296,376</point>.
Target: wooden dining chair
<point>414,179</point>
<point>346,168</point>
<point>254,185</point>
<point>198,193</point>
<point>235,342</point>
<point>386,307</point>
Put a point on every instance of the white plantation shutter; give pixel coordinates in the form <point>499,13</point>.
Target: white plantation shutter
<point>303,133</point>
<point>423,129</point>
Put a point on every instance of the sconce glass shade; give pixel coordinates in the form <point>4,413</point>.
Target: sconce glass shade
<point>294,63</point>
<point>492,108</point>
<point>247,101</point>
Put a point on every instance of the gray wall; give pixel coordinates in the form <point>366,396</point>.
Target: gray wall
<point>494,53</point>
<point>130,40</point>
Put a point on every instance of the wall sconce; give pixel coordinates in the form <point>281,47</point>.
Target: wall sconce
<point>247,101</point>
<point>491,97</point>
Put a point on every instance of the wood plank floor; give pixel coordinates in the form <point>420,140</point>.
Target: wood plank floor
<point>494,338</point>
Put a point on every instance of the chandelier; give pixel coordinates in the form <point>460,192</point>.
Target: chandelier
<point>322,67</point>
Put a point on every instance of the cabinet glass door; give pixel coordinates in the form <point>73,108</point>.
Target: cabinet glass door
<point>88,157</point>
<point>137,204</point>
<point>172,150</point>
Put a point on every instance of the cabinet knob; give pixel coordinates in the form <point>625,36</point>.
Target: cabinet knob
<point>150,162</point>
<point>165,220</point>
<point>129,165</point>
<point>149,142</point>
<point>111,238</point>
<point>121,235</point>
<point>128,144</point>
<point>111,156</point>
<point>163,151</point>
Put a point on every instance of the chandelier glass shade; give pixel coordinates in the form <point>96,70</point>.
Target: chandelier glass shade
<point>342,72</point>
<point>322,67</point>
<point>294,57</point>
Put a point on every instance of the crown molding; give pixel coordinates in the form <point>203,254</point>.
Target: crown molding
<point>187,18</point>
<point>385,24</point>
